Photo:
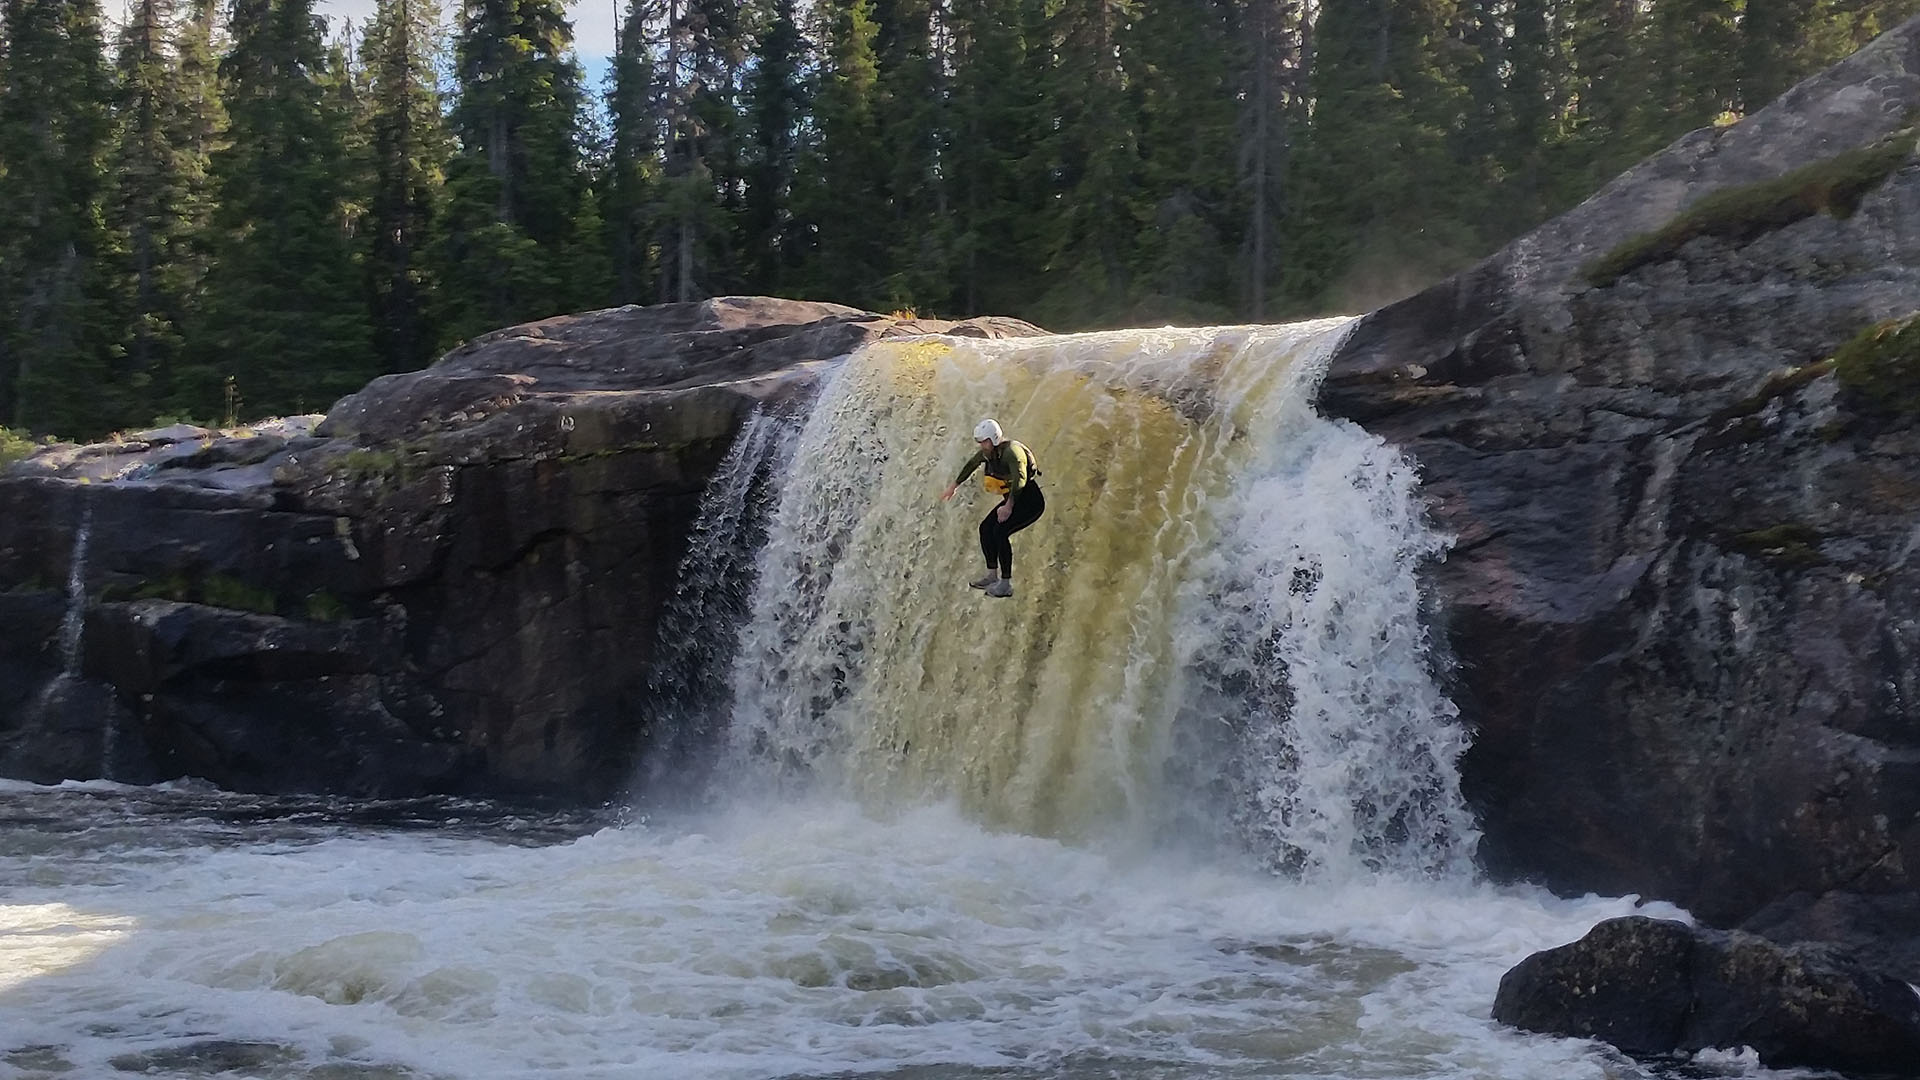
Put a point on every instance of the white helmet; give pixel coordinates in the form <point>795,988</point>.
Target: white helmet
<point>988,429</point>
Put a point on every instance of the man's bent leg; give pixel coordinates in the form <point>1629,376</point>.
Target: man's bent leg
<point>1027,509</point>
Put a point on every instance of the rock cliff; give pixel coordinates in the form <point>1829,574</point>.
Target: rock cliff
<point>448,583</point>
<point>1684,600</point>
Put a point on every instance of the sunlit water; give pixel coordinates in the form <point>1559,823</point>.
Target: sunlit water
<point>1215,636</point>
<point>1185,807</point>
<point>180,935</point>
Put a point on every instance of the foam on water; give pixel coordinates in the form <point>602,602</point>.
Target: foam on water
<point>807,941</point>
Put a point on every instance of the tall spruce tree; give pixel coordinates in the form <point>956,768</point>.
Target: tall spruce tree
<point>409,148</point>
<point>516,181</point>
<point>702,174</point>
<point>203,121</point>
<point>776,107</point>
<point>997,177</point>
<point>630,189</point>
<point>286,314</point>
<point>150,212</point>
<point>1092,153</point>
<point>1188,56</point>
<point>909,97</point>
<point>841,197</point>
<point>718,34</point>
<point>1277,33</point>
<point>1537,102</point>
<point>1382,204</point>
<point>1606,78</point>
<point>54,135</point>
<point>1693,54</point>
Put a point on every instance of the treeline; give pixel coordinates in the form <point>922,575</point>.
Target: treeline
<point>217,207</point>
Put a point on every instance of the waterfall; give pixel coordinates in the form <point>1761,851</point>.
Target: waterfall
<point>73,622</point>
<point>687,685</point>
<point>1215,624</point>
<point>54,696</point>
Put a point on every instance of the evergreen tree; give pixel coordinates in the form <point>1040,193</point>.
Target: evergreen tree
<point>998,179</point>
<point>1606,78</point>
<point>409,150</point>
<point>1508,146</point>
<point>1091,151</point>
<point>54,137</point>
<point>841,200</point>
<point>1784,41</point>
<point>286,310</point>
<point>776,107</point>
<point>1382,198</point>
<point>516,180</point>
<point>631,184</point>
<point>203,130</point>
<point>1276,35</point>
<point>154,170</point>
<point>1693,55</point>
<point>1189,56</point>
<point>702,174</point>
<point>909,123</point>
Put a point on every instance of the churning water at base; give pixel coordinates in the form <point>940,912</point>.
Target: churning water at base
<point>1183,808</point>
<point>182,934</point>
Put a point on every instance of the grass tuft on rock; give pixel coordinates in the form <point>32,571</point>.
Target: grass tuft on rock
<point>1880,366</point>
<point>219,590</point>
<point>14,446</point>
<point>1835,186</point>
<point>1790,545</point>
<point>323,606</point>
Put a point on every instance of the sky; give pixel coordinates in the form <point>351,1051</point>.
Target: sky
<point>592,24</point>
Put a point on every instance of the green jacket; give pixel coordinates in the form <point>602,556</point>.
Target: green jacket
<point>1010,461</point>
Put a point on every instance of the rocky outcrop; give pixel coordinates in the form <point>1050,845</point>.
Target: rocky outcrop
<point>447,584</point>
<point>1685,596</point>
<point>1653,986</point>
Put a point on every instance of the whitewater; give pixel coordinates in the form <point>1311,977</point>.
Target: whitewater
<point>1187,806</point>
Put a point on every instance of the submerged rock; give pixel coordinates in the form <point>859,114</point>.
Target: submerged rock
<point>448,583</point>
<point>1654,986</point>
<point>1684,598</point>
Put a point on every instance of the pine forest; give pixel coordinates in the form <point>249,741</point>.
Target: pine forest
<point>212,209</point>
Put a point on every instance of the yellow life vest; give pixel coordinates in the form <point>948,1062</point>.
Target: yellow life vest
<point>997,486</point>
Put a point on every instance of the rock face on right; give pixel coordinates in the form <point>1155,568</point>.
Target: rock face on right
<point>1684,599</point>
<point>1653,986</point>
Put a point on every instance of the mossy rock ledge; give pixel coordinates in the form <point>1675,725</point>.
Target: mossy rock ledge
<point>448,583</point>
<point>1682,613</point>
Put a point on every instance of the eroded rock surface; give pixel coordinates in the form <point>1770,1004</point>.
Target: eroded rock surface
<point>447,584</point>
<point>1685,596</point>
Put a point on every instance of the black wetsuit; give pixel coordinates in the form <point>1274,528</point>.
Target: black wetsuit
<point>1028,505</point>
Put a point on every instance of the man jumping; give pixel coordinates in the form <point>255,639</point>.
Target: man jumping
<point>1012,475</point>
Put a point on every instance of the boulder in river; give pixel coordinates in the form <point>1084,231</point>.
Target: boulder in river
<point>1656,986</point>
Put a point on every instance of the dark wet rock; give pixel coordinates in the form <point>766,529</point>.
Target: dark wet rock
<point>1653,986</point>
<point>447,584</point>
<point>1684,600</point>
<point>208,1058</point>
<point>1884,927</point>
